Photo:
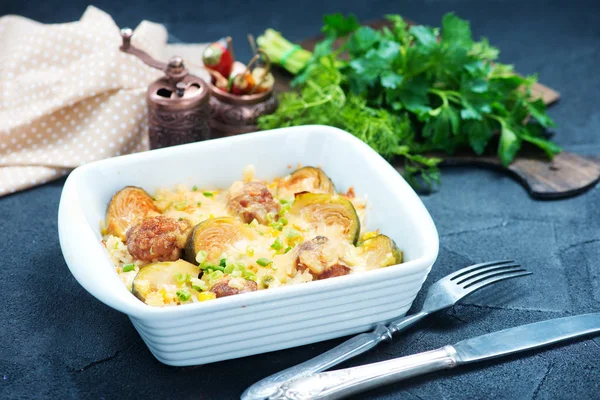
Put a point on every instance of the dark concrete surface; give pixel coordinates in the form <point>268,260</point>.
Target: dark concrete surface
<point>57,341</point>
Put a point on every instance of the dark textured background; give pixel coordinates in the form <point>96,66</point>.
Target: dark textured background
<point>56,341</point>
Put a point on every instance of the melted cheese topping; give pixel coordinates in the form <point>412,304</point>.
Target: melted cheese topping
<point>268,253</point>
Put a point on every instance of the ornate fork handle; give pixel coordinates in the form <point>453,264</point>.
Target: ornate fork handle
<point>350,348</point>
<point>345,382</point>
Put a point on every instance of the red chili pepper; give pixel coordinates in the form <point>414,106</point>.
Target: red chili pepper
<point>217,58</point>
<point>241,83</point>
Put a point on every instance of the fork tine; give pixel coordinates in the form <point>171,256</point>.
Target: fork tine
<point>471,268</point>
<point>473,286</point>
<point>482,272</point>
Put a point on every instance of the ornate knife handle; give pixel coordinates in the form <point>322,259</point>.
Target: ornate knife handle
<point>350,348</point>
<point>345,382</point>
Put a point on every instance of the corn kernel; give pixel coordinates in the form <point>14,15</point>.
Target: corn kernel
<point>204,296</point>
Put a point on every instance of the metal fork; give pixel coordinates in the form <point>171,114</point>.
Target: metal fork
<point>442,294</point>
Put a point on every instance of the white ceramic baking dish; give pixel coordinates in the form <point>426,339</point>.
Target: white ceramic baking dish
<point>266,320</point>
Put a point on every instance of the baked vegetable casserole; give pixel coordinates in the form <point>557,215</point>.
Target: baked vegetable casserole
<point>186,245</point>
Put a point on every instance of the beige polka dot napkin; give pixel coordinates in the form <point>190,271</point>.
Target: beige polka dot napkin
<point>68,95</point>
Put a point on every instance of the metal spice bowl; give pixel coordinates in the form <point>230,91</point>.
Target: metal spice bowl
<point>178,109</point>
<point>234,114</point>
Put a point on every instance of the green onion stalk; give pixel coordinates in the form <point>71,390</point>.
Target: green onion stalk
<point>281,51</point>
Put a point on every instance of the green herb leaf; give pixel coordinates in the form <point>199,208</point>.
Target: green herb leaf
<point>456,32</point>
<point>390,80</point>
<point>425,36</point>
<point>414,96</point>
<point>363,40</point>
<point>537,109</point>
<point>509,145</point>
<point>479,134</point>
<point>337,25</point>
<point>406,92</point>
<point>551,149</point>
<point>484,51</point>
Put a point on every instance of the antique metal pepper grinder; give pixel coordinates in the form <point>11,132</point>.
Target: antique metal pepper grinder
<point>178,103</point>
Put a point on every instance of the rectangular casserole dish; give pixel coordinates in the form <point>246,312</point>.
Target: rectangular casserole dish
<point>265,320</point>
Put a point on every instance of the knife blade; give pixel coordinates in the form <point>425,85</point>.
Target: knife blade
<point>345,382</point>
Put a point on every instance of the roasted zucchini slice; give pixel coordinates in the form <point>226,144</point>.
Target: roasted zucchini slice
<point>328,210</point>
<point>305,179</point>
<point>126,208</point>
<point>212,236</point>
<point>152,277</point>
<point>380,251</point>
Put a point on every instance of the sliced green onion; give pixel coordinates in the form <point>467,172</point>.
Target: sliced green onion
<point>180,206</point>
<point>197,288</point>
<point>277,245</point>
<point>283,201</point>
<point>270,217</point>
<point>199,204</point>
<point>207,265</point>
<point>281,51</point>
<point>194,188</point>
<point>277,225</point>
<point>292,233</point>
<point>263,262</point>
<point>229,269</point>
<point>201,256</point>
<point>283,220</point>
<point>287,249</point>
<point>223,262</point>
<point>208,194</point>
<point>284,209</point>
<point>183,295</point>
<point>128,267</point>
<point>237,273</point>
<point>249,275</point>
<point>214,275</point>
<point>266,280</point>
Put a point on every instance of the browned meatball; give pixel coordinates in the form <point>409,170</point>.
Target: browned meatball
<point>252,201</point>
<point>222,289</point>
<point>157,238</point>
<point>333,271</point>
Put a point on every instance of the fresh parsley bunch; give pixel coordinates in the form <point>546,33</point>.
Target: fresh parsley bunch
<point>407,91</point>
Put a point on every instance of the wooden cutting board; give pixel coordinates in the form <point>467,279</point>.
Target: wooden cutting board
<point>567,175</point>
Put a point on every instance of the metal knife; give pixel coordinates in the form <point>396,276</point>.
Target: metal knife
<point>345,382</point>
